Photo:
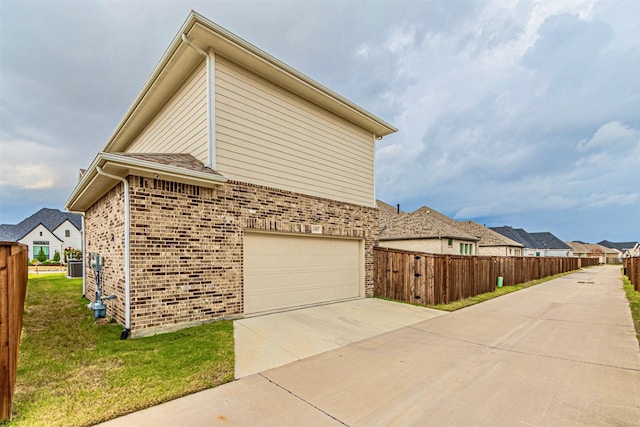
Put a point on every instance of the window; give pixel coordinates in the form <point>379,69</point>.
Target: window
<point>537,253</point>
<point>67,233</point>
<point>41,234</point>
<point>450,243</point>
<point>37,245</point>
<point>461,248</point>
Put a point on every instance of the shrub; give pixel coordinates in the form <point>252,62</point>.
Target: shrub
<point>56,257</point>
<point>41,256</point>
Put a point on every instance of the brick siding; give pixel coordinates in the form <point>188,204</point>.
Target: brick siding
<point>187,245</point>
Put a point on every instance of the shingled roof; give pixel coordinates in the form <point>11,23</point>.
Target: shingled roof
<point>179,160</point>
<point>519,235</point>
<point>423,223</point>
<point>549,241</point>
<point>621,246</point>
<point>589,248</point>
<point>49,218</point>
<point>487,236</point>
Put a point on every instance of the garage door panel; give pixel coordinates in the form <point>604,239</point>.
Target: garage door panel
<point>283,271</point>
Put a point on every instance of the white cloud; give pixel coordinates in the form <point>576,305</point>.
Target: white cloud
<point>610,135</point>
<point>400,39</point>
<point>27,165</point>
<point>520,108</point>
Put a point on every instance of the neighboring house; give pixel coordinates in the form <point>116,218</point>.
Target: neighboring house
<point>627,249</point>
<point>552,245</point>
<point>491,243</point>
<point>234,185</point>
<point>593,250</point>
<point>530,246</point>
<point>424,230</point>
<point>536,244</point>
<point>48,229</point>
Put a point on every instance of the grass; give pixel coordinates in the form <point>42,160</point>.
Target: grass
<point>457,305</point>
<point>74,372</point>
<point>634,304</point>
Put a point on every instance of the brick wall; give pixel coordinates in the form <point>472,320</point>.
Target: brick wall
<point>104,234</point>
<point>187,243</point>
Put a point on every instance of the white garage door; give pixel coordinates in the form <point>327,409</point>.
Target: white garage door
<point>285,271</point>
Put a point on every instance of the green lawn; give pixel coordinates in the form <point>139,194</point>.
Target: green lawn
<point>634,304</point>
<point>73,372</point>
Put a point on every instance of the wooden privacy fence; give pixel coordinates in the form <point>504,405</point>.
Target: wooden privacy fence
<point>430,279</point>
<point>588,262</point>
<point>13,287</point>
<point>632,266</point>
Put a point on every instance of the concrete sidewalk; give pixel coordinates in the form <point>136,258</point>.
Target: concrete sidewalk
<point>563,353</point>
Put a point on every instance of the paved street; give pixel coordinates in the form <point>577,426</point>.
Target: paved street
<point>563,353</point>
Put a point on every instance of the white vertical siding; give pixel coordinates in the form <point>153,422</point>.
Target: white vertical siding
<point>268,136</point>
<point>181,125</point>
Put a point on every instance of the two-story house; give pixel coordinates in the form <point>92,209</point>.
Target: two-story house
<point>234,185</point>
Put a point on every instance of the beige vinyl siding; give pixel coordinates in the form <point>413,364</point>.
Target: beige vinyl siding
<point>268,136</point>
<point>181,125</point>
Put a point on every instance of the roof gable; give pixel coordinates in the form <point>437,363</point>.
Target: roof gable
<point>180,60</point>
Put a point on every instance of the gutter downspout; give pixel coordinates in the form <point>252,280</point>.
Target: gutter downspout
<point>127,253</point>
<point>211,124</point>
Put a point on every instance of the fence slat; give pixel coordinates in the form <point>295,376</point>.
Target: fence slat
<point>13,287</point>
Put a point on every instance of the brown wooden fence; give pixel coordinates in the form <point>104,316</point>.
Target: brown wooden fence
<point>13,287</point>
<point>632,268</point>
<point>588,262</point>
<point>430,279</point>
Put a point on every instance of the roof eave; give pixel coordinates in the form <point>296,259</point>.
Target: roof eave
<point>92,186</point>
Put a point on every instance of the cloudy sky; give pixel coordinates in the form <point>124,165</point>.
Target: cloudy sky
<point>510,113</point>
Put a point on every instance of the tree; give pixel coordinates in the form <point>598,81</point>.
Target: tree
<point>41,256</point>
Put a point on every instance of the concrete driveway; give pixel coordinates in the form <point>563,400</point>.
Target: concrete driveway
<point>266,342</point>
<point>563,353</point>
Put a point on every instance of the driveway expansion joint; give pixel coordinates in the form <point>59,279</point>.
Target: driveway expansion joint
<point>301,399</point>
<point>493,347</point>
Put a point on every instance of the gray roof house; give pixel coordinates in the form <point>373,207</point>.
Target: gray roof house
<point>48,229</point>
<point>536,244</point>
<point>423,230</point>
<point>628,249</point>
<point>491,243</point>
